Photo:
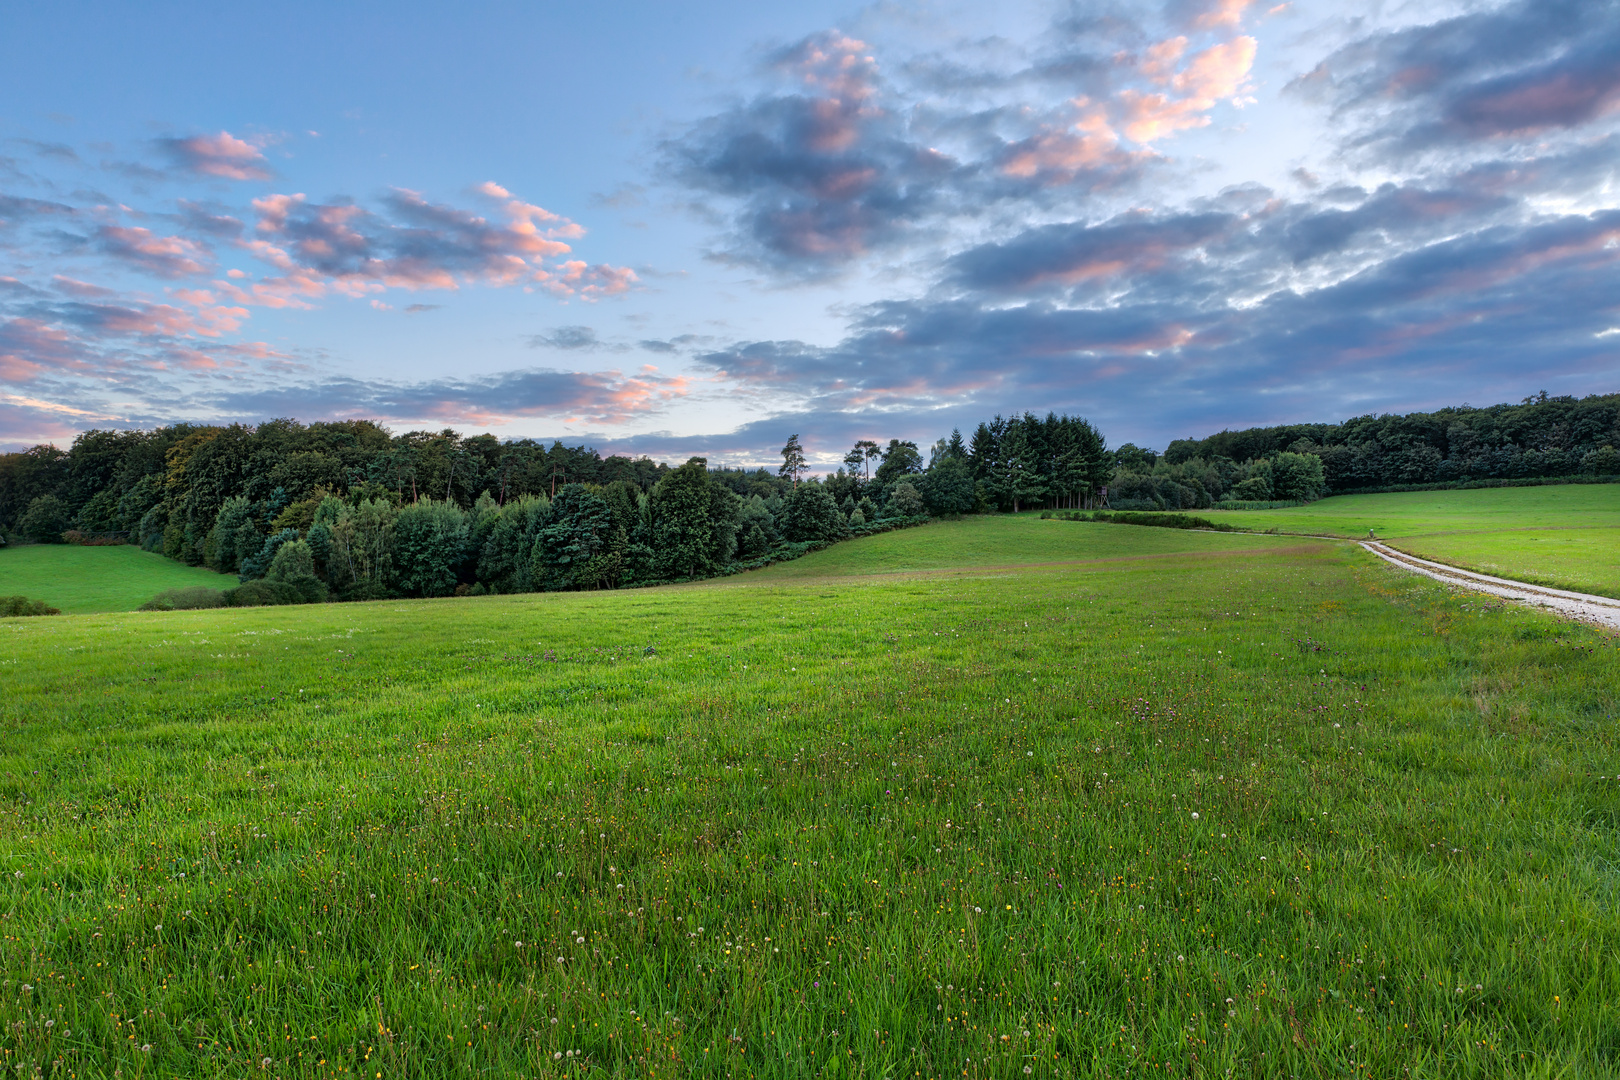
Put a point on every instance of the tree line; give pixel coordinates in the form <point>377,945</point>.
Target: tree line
<point>347,510</point>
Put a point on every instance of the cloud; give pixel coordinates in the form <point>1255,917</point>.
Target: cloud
<point>567,337</point>
<point>1220,71</point>
<point>1184,322</point>
<point>222,155</point>
<point>416,244</point>
<point>161,256</point>
<point>823,171</point>
<point>18,210</point>
<point>839,161</point>
<point>200,219</point>
<point>1520,71</point>
<point>419,309</point>
<point>1071,253</point>
<point>608,397</point>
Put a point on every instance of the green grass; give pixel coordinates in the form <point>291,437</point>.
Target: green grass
<point>88,580</point>
<point>990,543</point>
<point>903,824</point>
<point>1566,536</point>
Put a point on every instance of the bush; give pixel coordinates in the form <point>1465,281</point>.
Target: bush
<point>187,598</point>
<point>1162,521</point>
<point>812,515</point>
<point>13,606</point>
<point>294,564</point>
<point>84,539</point>
<point>263,593</point>
<point>904,501</point>
<point>45,520</point>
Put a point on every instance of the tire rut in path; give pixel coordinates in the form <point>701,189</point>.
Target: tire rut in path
<point>1603,610</point>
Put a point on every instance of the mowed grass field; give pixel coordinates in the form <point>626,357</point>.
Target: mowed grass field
<point>1257,806</point>
<point>1566,536</point>
<point>86,580</point>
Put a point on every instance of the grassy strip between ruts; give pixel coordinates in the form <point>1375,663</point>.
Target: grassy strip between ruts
<point>1255,806</point>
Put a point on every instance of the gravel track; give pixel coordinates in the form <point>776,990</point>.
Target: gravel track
<point>1602,610</point>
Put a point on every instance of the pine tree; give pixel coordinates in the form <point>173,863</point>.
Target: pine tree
<point>792,461</point>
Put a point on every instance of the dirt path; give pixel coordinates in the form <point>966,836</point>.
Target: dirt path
<point>1603,610</point>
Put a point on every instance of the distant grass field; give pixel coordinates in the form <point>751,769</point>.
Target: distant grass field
<point>980,543</point>
<point>1567,536</point>
<point>1264,807</point>
<point>87,580</point>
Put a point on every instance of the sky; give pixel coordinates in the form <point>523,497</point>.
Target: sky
<point>702,228</point>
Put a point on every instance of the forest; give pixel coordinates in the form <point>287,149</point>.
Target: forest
<point>349,510</point>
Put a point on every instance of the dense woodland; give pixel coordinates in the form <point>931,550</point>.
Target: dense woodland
<point>1541,437</point>
<point>348,510</point>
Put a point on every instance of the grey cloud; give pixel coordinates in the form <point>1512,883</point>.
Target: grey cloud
<point>220,156</point>
<point>1521,70</point>
<point>202,219</point>
<point>1068,253</point>
<point>18,209</point>
<point>593,397</point>
<point>567,337</point>
<point>162,256</point>
<point>54,150</point>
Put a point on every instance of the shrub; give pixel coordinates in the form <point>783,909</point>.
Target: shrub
<point>904,501</point>
<point>1604,461</point>
<point>45,520</point>
<point>813,515</point>
<point>84,539</point>
<point>294,564</point>
<point>187,598</point>
<point>12,606</point>
<point>263,593</point>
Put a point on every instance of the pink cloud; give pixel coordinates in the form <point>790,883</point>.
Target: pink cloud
<point>165,256</point>
<point>16,369</point>
<point>577,278</point>
<point>840,70</point>
<point>1159,62</point>
<point>1058,156</point>
<point>1217,72</point>
<point>222,155</point>
<point>1222,13</point>
<point>350,250</point>
<point>83,290</point>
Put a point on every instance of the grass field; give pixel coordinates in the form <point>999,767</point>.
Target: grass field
<point>1567,536</point>
<point>1180,804</point>
<point>87,580</point>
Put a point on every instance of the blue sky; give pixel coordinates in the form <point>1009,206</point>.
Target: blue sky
<point>701,228</point>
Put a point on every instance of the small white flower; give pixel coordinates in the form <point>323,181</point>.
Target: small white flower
<point>1195,815</point>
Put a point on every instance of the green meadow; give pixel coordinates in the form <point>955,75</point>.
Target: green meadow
<point>1566,536</point>
<point>87,580</point>
<point>992,798</point>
